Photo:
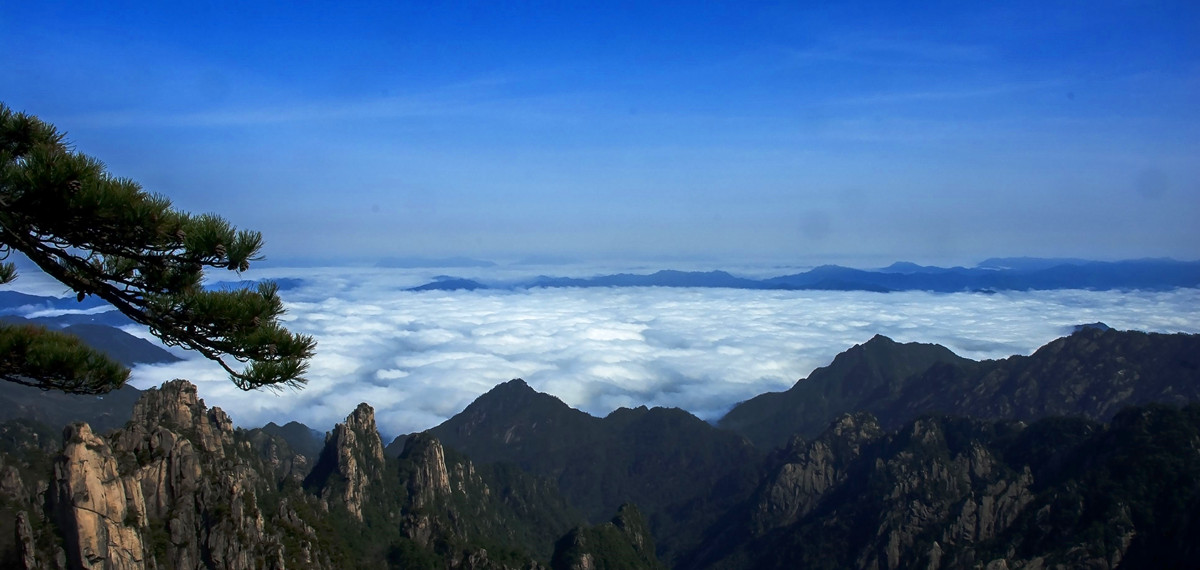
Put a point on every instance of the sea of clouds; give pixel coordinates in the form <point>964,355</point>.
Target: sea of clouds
<point>420,357</point>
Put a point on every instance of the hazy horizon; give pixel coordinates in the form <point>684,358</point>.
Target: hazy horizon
<point>420,357</point>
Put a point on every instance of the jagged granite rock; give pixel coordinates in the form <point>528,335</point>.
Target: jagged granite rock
<point>178,487</point>
<point>280,456</point>
<point>351,463</point>
<point>27,536</point>
<point>175,488</point>
<point>931,492</point>
<point>98,509</point>
<point>428,479</point>
<point>794,487</point>
<point>473,519</point>
<point>27,552</point>
<point>949,493</point>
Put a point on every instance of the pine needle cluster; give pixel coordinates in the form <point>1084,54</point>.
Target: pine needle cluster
<point>105,236</point>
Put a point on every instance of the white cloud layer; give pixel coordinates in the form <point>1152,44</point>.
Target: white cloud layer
<point>421,357</point>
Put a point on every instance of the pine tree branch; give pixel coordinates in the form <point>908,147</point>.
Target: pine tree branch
<point>107,237</point>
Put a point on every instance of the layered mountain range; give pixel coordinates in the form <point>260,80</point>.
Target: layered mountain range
<point>999,274</point>
<point>1083,454</point>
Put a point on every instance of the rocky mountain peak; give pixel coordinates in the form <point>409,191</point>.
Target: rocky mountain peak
<point>515,392</point>
<point>879,340</point>
<point>167,490</point>
<point>429,478</point>
<point>176,406</point>
<point>511,416</point>
<point>362,420</point>
<point>351,461</point>
<point>510,398</point>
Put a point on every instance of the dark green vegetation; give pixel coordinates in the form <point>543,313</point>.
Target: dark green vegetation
<point>106,412</point>
<point>106,237</point>
<point>56,409</point>
<point>1084,454</point>
<point>624,543</point>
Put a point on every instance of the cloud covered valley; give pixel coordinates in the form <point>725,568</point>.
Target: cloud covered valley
<point>421,357</point>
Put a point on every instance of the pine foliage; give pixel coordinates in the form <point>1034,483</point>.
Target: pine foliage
<point>105,236</point>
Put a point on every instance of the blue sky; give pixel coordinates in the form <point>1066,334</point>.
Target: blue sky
<point>860,134</point>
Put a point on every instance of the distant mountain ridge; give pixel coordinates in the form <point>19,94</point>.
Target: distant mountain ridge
<point>1000,274</point>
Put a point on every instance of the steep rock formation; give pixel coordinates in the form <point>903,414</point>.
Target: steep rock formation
<point>809,469</point>
<point>97,507</point>
<point>284,462</point>
<point>27,534</point>
<point>929,484</point>
<point>173,489</point>
<point>180,488</point>
<point>27,551</point>
<point>350,464</point>
<point>942,493</point>
<point>428,479</point>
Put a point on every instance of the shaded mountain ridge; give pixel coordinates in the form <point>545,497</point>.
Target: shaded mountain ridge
<point>1094,372</point>
<point>524,481</point>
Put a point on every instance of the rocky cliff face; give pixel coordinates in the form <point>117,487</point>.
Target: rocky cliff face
<point>428,479</point>
<point>98,509</point>
<point>957,493</point>
<point>351,463</point>
<point>178,487</point>
<point>174,489</point>
<point>810,469</point>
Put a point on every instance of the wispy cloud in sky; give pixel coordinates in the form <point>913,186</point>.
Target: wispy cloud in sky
<point>724,129</point>
<point>873,50</point>
<point>419,358</point>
